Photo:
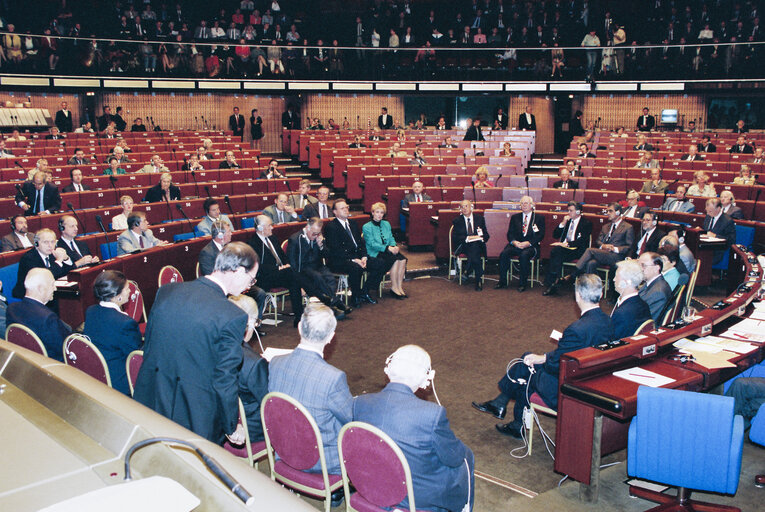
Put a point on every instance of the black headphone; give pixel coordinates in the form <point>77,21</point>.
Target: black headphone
<point>61,224</point>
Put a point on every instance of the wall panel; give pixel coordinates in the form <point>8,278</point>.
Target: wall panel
<point>360,109</point>
<point>543,110</point>
<point>51,101</point>
<point>623,110</point>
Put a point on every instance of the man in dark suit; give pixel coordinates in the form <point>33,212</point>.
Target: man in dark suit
<point>469,237</point>
<point>79,158</point>
<point>642,143</point>
<point>37,197</point>
<point>357,144</point>
<point>290,119</point>
<point>646,122</point>
<point>632,206</point>
<point>76,185</point>
<point>720,225</point>
<point>527,121</point>
<point>193,353</point>
<point>274,270</point>
<point>656,292</point>
<point>55,134</point>
<point>593,328</point>
<point>705,146</point>
<point>416,196</point>
<point>740,127</point>
<point>573,235</point>
<point>64,118</point>
<point>39,285</point>
<point>236,123</point>
<point>305,251</point>
<point>630,311</point>
<point>473,133</point>
<point>19,237</point>
<point>320,387</point>
<point>103,121</point>
<point>741,146</point>
<point>220,237</point>
<point>692,155</point>
<point>384,121</point>
<point>441,465</point>
<point>230,162</point>
<point>500,119</point>
<point>729,205</point>
<point>321,208</point>
<point>649,237</point>
<point>524,234</point>
<point>565,180</point>
<point>44,254</point>
<point>613,245</point>
<point>348,254</point>
<point>77,251</point>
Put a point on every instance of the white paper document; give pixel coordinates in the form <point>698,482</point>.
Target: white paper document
<point>271,352</point>
<point>643,377</point>
<point>739,347</point>
<point>689,346</point>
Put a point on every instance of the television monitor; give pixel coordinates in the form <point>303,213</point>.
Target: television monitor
<point>669,116</point>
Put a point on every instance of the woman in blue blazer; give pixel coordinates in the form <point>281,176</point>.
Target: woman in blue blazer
<point>110,329</point>
<point>380,243</point>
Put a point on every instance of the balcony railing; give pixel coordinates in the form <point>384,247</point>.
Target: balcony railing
<point>48,55</point>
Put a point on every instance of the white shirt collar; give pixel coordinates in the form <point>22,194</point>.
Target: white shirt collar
<point>312,348</point>
<point>219,283</point>
<point>218,245</point>
<point>112,305</point>
<point>648,283</point>
<point>623,298</point>
<point>22,238</point>
<point>717,217</point>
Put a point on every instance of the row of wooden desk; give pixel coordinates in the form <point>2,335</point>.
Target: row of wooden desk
<point>595,407</point>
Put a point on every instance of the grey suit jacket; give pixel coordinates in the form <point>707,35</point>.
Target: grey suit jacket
<point>622,237</point>
<point>273,214</point>
<point>322,389</point>
<point>205,226</point>
<point>685,206</point>
<point>127,243</point>
<point>11,242</point>
<point>409,198</point>
<point>735,212</point>
<point>656,296</point>
<point>294,201</point>
<point>207,258</point>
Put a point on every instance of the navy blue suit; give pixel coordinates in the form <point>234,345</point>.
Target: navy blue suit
<point>32,259</point>
<point>656,295</point>
<point>628,316</point>
<point>593,328</point>
<point>535,232</point>
<point>116,335</point>
<point>44,322</point>
<point>473,250</point>
<point>253,386</point>
<point>420,428</point>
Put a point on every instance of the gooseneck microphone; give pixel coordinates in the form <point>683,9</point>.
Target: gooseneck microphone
<point>230,209</point>
<point>113,181</point>
<point>207,190</point>
<point>196,185</point>
<point>180,209</point>
<point>100,223</point>
<point>71,209</point>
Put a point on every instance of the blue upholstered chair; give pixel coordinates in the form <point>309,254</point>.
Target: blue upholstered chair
<point>686,440</point>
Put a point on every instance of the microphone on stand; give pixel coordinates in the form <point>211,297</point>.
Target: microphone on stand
<point>180,209</point>
<point>756,197</point>
<point>207,190</point>
<point>113,181</point>
<point>71,209</point>
<point>17,164</point>
<point>196,122</point>
<point>169,210</point>
<point>527,185</point>
<point>230,209</point>
<point>196,185</point>
<point>106,235</point>
<point>472,184</point>
<point>496,182</point>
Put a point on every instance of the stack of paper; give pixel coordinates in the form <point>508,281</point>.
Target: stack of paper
<point>747,330</point>
<point>740,347</point>
<point>644,377</point>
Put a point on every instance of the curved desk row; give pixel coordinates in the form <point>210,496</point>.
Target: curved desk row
<point>595,406</point>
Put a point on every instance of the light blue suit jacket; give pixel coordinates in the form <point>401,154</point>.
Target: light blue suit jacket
<point>420,428</point>
<point>205,225</point>
<point>126,242</point>
<point>322,389</point>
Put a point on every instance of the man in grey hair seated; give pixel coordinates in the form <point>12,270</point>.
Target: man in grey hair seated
<point>540,371</point>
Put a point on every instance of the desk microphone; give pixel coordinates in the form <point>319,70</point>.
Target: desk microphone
<point>17,164</point>
<point>196,185</point>
<point>169,210</point>
<point>113,180</point>
<point>180,209</point>
<point>106,235</point>
<point>230,210</point>
<point>287,182</point>
<point>496,182</point>
<point>71,209</point>
<point>207,190</point>
<point>472,184</point>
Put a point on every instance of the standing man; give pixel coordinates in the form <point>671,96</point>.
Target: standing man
<point>103,121</point>
<point>37,197</point>
<point>500,119</point>
<point>524,234</point>
<point>441,465</point>
<point>321,208</point>
<point>64,119</point>
<point>76,250</point>
<point>527,121</point>
<point>19,237</point>
<point>290,119</point>
<point>646,122</point>
<point>348,255</point>
<point>592,328</point>
<point>236,123</point>
<point>469,237</point>
<point>274,270</point>
<point>192,352</point>
<point>573,237</point>
<point>384,121</point>
<point>44,254</point>
<point>473,132</point>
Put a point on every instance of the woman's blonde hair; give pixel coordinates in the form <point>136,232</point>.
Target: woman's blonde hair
<point>379,206</point>
<point>482,170</point>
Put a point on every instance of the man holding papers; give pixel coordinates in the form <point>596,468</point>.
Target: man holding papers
<point>719,225</point>
<point>538,373</point>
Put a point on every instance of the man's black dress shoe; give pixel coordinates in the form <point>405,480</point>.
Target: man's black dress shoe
<point>341,306</point>
<point>367,298</point>
<point>511,429</point>
<point>499,286</point>
<point>489,407</point>
<point>521,289</point>
<point>337,497</point>
<point>478,285</point>
<point>552,290</point>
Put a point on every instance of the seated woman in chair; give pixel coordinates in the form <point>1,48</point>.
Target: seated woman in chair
<point>482,178</point>
<point>507,150</point>
<point>381,245</point>
<point>110,329</point>
<point>253,376</point>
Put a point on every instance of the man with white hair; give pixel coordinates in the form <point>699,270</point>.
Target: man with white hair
<point>119,153</point>
<point>320,387</point>
<point>729,205</point>
<point>524,234</point>
<point>33,313</point>
<point>630,311</point>
<point>44,254</point>
<point>155,165</point>
<point>441,465</point>
<point>538,373</point>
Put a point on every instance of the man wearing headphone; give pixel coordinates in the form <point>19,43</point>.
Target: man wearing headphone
<point>686,256</point>
<point>441,465</point>
<point>44,254</point>
<point>77,251</point>
<point>524,234</point>
<point>212,213</point>
<point>630,311</point>
<point>650,235</point>
<point>539,372</point>
<point>19,237</point>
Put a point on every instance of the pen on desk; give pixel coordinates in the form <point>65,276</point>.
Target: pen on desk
<point>639,375</point>
<point>740,336</point>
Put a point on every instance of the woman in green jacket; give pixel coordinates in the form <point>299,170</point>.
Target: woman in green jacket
<point>380,243</point>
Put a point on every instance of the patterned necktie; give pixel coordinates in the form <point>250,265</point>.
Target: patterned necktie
<point>571,230</point>
<point>470,227</point>
<point>610,232</point>
<point>525,224</point>
<point>273,251</point>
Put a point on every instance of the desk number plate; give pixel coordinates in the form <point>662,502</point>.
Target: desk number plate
<point>742,310</point>
<point>707,329</point>
<point>648,350</point>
